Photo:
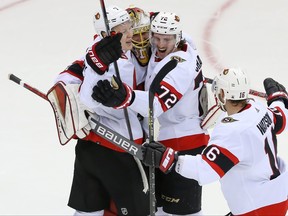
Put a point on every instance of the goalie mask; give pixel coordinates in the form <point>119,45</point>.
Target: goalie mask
<point>140,40</point>
<point>168,24</point>
<point>115,15</point>
<point>234,84</point>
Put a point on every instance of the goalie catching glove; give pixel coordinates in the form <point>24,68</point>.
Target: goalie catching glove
<point>104,52</point>
<point>157,155</point>
<point>275,91</point>
<point>117,94</point>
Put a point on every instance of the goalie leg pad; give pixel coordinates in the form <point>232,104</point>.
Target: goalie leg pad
<point>211,117</point>
<point>69,112</point>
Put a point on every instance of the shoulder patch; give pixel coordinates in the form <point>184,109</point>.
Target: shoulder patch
<point>178,58</point>
<point>228,120</point>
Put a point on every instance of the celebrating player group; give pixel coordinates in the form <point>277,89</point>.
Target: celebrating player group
<point>116,84</point>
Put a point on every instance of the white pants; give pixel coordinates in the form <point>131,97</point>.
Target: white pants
<point>96,213</point>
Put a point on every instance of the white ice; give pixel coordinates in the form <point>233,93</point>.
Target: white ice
<point>38,39</point>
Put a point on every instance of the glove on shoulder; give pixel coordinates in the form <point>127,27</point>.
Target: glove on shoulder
<point>104,52</point>
<point>275,91</point>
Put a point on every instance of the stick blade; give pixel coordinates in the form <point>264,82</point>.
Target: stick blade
<point>169,66</point>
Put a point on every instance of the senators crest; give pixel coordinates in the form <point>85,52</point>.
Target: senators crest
<point>228,120</point>
<point>97,16</point>
<point>178,58</point>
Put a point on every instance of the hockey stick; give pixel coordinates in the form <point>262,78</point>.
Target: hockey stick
<point>126,115</point>
<point>17,80</point>
<point>251,91</point>
<point>152,90</point>
<point>106,22</point>
<point>98,128</point>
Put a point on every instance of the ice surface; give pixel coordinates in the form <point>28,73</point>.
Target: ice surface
<point>40,38</point>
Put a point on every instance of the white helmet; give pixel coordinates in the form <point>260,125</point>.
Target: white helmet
<point>234,84</point>
<point>167,23</point>
<point>115,15</point>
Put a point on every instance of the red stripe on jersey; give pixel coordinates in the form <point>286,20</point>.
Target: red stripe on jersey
<point>75,69</point>
<point>73,74</point>
<point>282,121</point>
<point>134,80</point>
<point>167,95</point>
<point>214,166</point>
<point>270,210</point>
<point>220,159</point>
<point>187,142</point>
<point>231,156</point>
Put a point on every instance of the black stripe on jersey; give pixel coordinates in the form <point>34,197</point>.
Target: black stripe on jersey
<point>220,159</point>
<point>279,119</point>
<point>76,68</point>
<point>167,95</point>
<point>198,80</point>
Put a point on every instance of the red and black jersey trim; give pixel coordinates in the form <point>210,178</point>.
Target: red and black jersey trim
<point>220,159</point>
<point>167,95</point>
<point>279,119</point>
<point>75,69</point>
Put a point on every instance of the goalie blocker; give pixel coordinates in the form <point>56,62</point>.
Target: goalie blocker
<point>69,114</point>
<point>74,119</point>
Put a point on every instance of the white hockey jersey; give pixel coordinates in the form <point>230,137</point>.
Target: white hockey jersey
<point>130,72</point>
<point>242,153</point>
<point>176,102</point>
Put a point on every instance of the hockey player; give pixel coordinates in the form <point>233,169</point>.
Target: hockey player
<point>242,150</point>
<point>103,172</point>
<point>176,105</point>
<point>140,50</point>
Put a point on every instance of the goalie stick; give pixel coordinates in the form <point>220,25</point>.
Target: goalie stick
<point>152,90</point>
<point>251,91</point>
<point>98,128</point>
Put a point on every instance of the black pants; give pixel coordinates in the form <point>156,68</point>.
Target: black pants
<point>102,175</point>
<point>177,194</point>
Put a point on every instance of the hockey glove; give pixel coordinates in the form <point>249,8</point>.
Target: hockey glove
<point>156,154</point>
<point>104,52</point>
<point>117,94</point>
<point>275,91</point>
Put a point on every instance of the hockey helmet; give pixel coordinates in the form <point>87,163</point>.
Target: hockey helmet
<point>167,23</point>
<point>234,84</point>
<point>115,15</point>
<point>141,27</point>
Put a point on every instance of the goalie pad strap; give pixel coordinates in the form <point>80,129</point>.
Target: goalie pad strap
<point>211,117</point>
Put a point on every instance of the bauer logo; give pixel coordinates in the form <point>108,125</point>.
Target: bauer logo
<point>114,138</point>
<point>94,59</point>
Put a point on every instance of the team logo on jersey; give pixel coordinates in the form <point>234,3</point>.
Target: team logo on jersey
<point>177,18</point>
<point>225,71</point>
<point>97,16</point>
<point>178,58</point>
<point>228,120</point>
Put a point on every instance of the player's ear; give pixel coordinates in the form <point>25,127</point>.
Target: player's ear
<point>222,95</point>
